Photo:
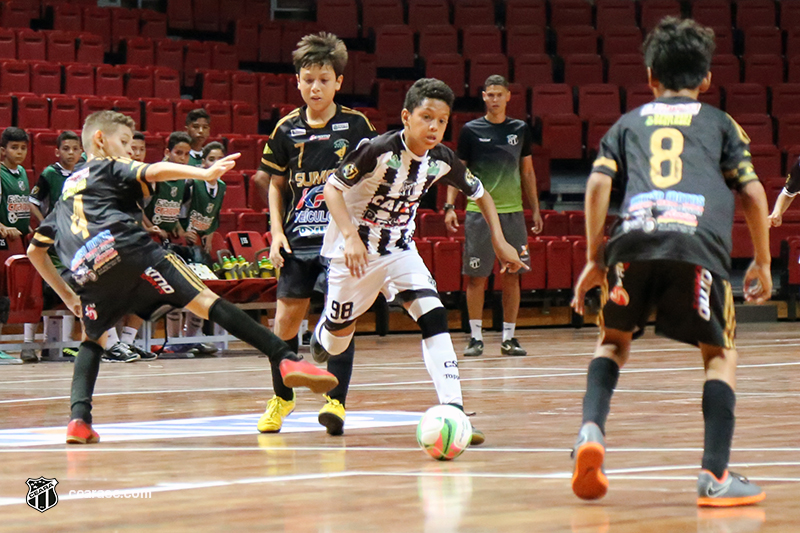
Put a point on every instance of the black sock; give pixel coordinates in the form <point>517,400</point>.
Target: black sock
<point>84,376</point>
<point>719,401</point>
<point>281,390</point>
<point>241,326</point>
<point>341,366</point>
<point>600,385</point>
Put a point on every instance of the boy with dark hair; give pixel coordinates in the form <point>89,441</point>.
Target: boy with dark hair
<point>52,178</point>
<point>162,211</point>
<point>373,198</point>
<point>138,147</point>
<point>497,149</point>
<point>198,126</point>
<point>304,149</point>
<point>118,269</point>
<point>678,162</point>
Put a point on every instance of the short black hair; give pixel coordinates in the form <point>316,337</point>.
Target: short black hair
<point>428,88</point>
<point>213,146</point>
<point>67,136</point>
<point>320,49</point>
<point>178,137</point>
<point>12,134</point>
<point>138,136</point>
<point>495,79</point>
<point>195,114</point>
<point>678,53</point>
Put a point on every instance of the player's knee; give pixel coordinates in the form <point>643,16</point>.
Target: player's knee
<point>338,326</point>
<point>433,322</point>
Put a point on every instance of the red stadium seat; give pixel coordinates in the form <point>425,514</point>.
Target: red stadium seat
<point>224,57</point>
<point>45,78</point>
<point>766,159</point>
<point>244,118</point>
<point>339,17</point>
<point>67,17</point>
<point>244,87</point>
<point>15,77</point>
<point>723,37</point>
<point>179,14</point>
<point>518,104</point>
<point>220,117</point>
<point>484,65</point>
<point>166,83</point>
<point>726,69</point>
<point>31,45</point>
<point>207,14</point>
<point>764,69</point>
<point>169,53</point>
<point>216,85</point>
<point>637,95</point>
<point>712,96</point>
<point>469,12</point>
<point>483,39</point>
<point>79,79</point>
<point>785,98</point>
<point>159,116</point>
<point>109,81</point>
<point>8,44</point>
<point>576,40</point>
<point>376,13</point>
<point>246,40</point>
<point>271,92</point>
<point>227,222</point>
<point>60,47</point>
<point>257,222</point>
<point>561,134</point>
<point>621,39</point>
<point>792,42</point>
<point>583,69</point>
<point>655,10</point>
<point>124,26</point>
<point>182,109</point>
<point>570,13</point>
<point>97,20</point>
<point>153,24</point>
<point>438,39</point>
<point>235,197</point>
<point>794,70</point>
<point>758,127</point>
<point>65,113</point>
<point>525,13</point>
<point>248,147</point>
<point>254,198</point>
<point>391,95</point>
<point>17,14</point>
<point>788,131</point>
<point>394,46</point>
<point>24,290</point>
<point>533,69</point>
<point>8,248</point>
<point>449,68</point>
<point>712,12</point>
<point>559,265</point>
<point>577,223</point>
<point>93,105</point>
<point>33,112</point>
<point>91,49</point>
<point>140,51</point>
<point>6,111</point>
<point>597,127</point>
<point>365,70</point>
<point>432,225</point>
<point>457,121</point>
<point>598,99</point>
<point>763,40</point>
<point>422,13</point>
<point>556,224</point>
<point>743,98</point>
<point>269,34</point>
<point>447,266</point>
<point>197,57</point>
<point>525,40</point>
<point>626,70</point>
<point>425,251</point>
<point>578,259</point>
<point>139,82</point>
<point>535,278</point>
<point>131,108</point>
<point>751,13</point>
<point>615,14</point>
<point>548,99</point>
<point>44,150</point>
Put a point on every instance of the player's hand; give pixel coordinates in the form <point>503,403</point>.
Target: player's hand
<point>538,225</point>
<point>221,166</point>
<point>279,242</point>
<point>3,231</point>
<point>191,237</point>
<point>73,303</point>
<point>775,220</point>
<point>758,283</point>
<point>593,275</point>
<point>355,255</point>
<point>509,258</point>
<point>451,221</point>
<point>158,231</point>
<point>13,234</point>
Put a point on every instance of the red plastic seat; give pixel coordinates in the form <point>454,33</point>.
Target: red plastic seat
<point>224,57</point>
<point>438,39</point>
<point>31,45</point>
<point>570,13</point>
<point>179,14</point>
<point>562,135</point>
<point>533,69</point>
<point>469,12</point>
<point>723,37</point>
<point>758,127</point>
<point>291,33</point>
<point>559,265</point>
<point>257,222</point>
<point>207,14</point>
<point>764,69</point>
<point>422,13</point>
<point>621,39</point>
<point>394,46</point>
<point>60,47</point>
<point>139,82</point>
<point>597,127</point>
<point>339,17</point>
<point>33,112</point>
<point>166,83</point>
<point>576,40</point>
<point>726,69</point>
<point>449,68</point>
<point>182,110</point>
<point>376,13</point>
<point>548,99</point>
<point>269,34</point>
<point>79,79</point>
<point>67,17</point>
<point>766,159</point>
<point>109,81</point>
<point>244,118</point>
<point>518,104</point>
<point>65,113</point>
<point>788,131</point>
<point>216,85</point>
<point>637,95</point>
<point>153,24</point>
<point>97,20</point>
<point>140,51</point>
<point>712,96</point>
<point>46,78</point>
<point>712,12</point>
<point>556,224</point>
<point>197,57</point>
<point>751,13</point>
<point>15,77</point>
<point>93,105</point>
<point>169,54</point>
<point>365,70</point>
<point>432,225</point>
<point>44,150</point>
<point>391,96</point>
<point>159,116</point>
<point>6,110</point>
<point>626,70</point>
<point>763,40</point>
<point>17,14</point>
<point>271,92</point>
<point>598,99</point>
<point>615,14</point>
<point>457,121</point>
<point>91,49</point>
<point>124,26</point>
<point>8,44</point>
<point>743,98</point>
<point>525,13</point>
<point>578,259</point>
<point>131,108</point>
<point>525,40</point>
<point>220,114</point>
<point>784,99</point>
<point>655,10</point>
<point>484,65</point>
<point>245,39</point>
<point>535,278</point>
<point>583,69</point>
<point>235,197</point>
<point>481,39</point>
<point>244,87</point>
<point>24,290</point>
<point>248,147</point>
<point>793,75</point>
<point>447,266</point>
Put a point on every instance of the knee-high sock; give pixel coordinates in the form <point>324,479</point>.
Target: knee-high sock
<point>174,324</point>
<point>600,384</point>
<point>193,325</point>
<point>441,362</point>
<point>84,376</point>
<point>238,323</point>
<point>341,366</point>
<point>67,325</point>
<point>719,402</point>
<point>281,390</point>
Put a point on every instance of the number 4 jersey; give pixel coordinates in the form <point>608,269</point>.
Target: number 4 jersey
<point>677,162</point>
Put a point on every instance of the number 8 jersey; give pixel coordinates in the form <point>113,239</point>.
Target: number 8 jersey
<point>677,162</point>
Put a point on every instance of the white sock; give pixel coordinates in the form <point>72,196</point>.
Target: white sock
<point>442,364</point>
<point>113,338</point>
<point>193,325</point>
<point>29,333</point>
<point>508,330</point>
<point>128,335</point>
<point>174,324</point>
<point>333,345</point>
<point>67,325</point>
<point>475,326</point>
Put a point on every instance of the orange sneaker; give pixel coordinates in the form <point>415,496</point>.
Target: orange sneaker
<point>589,482</point>
<point>79,432</point>
<point>304,374</point>
<point>732,490</point>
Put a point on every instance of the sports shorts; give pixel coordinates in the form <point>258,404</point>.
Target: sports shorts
<point>478,258</point>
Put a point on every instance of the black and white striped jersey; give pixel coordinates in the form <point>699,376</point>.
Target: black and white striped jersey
<point>383,182</point>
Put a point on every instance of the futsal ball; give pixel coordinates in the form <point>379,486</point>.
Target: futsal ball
<point>444,432</point>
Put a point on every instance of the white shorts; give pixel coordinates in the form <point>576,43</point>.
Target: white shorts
<point>402,275</point>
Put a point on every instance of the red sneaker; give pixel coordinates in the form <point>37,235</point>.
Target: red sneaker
<point>79,432</point>
<point>304,374</point>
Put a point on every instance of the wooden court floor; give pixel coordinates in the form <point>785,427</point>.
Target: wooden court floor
<point>230,478</point>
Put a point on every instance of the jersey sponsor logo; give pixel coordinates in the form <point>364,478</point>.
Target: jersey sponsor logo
<point>156,279</point>
<point>166,211</point>
<point>702,293</point>
<point>267,149</point>
<point>312,178</point>
<point>83,275</point>
<point>433,168</point>
<point>311,230</point>
<point>340,126</point>
<point>660,108</point>
<point>451,364</point>
<point>75,183</point>
<point>350,171</point>
<point>199,222</point>
<point>340,147</point>
<point>323,137</point>
<point>513,139</point>
<point>484,139</point>
<point>618,294</point>
<point>18,207</point>
<point>311,199</point>
<point>90,311</point>
<point>664,210</point>
<point>297,132</point>
<point>98,254</point>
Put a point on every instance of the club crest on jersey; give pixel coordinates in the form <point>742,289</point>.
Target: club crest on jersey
<point>341,126</point>
<point>90,311</point>
<point>340,146</point>
<point>350,171</point>
<point>513,139</point>
<point>173,191</point>
<point>394,163</point>
<point>433,168</point>
<point>21,184</point>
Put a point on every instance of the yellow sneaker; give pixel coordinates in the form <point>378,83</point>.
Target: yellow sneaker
<point>332,416</point>
<point>277,409</point>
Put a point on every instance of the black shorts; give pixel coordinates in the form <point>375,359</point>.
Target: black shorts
<point>692,305</point>
<point>139,285</point>
<point>301,275</point>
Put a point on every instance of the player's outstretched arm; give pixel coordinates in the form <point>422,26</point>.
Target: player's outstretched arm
<point>506,254</point>
<point>44,265</point>
<point>781,205</point>
<point>598,194</point>
<point>355,253</point>
<point>758,278</point>
<point>166,171</point>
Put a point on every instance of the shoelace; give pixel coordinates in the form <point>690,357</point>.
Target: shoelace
<point>274,406</point>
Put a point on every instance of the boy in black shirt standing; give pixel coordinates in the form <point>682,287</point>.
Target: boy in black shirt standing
<point>679,163</point>
<point>117,268</point>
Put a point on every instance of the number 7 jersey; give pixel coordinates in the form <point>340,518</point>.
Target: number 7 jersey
<point>677,161</point>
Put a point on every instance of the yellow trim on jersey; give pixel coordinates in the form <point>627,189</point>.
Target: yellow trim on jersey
<point>729,314</point>
<point>142,181</point>
<point>740,130</point>
<point>186,272</point>
<point>43,238</point>
<point>605,162</point>
<point>289,115</point>
<point>360,114</point>
<point>273,165</point>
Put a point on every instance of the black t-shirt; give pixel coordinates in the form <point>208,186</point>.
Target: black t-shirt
<point>307,155</point>
<point>93,226</point>
<point>792,186</point>
<point>493,153</point>
<point>676,161</point>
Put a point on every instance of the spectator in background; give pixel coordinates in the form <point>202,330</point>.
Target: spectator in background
<point>138,147</point>
<point>198,126</point>
<point>52,178</point>
<point>162,210</point>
